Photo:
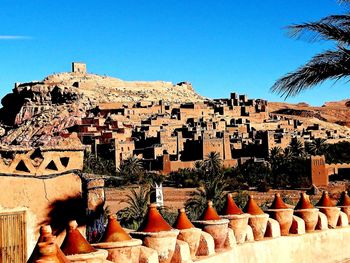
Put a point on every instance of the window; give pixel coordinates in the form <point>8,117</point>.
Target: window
<point>13,240</point>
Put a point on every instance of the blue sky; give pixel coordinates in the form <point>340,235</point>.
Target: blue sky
<point>220,46</point>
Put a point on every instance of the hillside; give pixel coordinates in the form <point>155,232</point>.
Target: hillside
<point>35,113</point>
<point>334,112</point>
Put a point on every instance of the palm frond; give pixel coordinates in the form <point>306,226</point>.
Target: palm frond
<point>342,21</point>
<point>328,65</point>
<point>322,31</point>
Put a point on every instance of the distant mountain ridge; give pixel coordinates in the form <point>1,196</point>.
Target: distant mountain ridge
<point>335,112</point>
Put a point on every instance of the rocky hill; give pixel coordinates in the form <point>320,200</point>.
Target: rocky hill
<point>35,113</point>
<point>334,112</point>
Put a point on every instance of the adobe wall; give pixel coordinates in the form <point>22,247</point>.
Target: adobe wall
<point>38,163</point>
<point>319,174</point>
<point>176,165</point>
<point>334,167</point>
<point>36,196</point>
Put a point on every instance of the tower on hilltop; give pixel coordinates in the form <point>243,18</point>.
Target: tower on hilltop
<point>78,67</point>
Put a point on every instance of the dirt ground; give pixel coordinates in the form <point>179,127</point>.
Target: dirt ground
<point>175,198</point>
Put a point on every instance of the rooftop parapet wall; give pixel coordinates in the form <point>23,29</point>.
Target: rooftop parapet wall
<point>334,167</point>
<point>322,247</point>
<point>37,163</point>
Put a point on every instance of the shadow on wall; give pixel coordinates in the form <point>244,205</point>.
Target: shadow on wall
<point>75,208</point>
<point>61,212</point>
<point>64,210</point>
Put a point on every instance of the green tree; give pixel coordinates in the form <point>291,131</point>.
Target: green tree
<point>288,154</point>
<point>318,146</point>
<point>134,213</point>
<point>97,165</point>
<point>213,163</point>
<point>329,65</point>
<point>275,153</point>
<point>213,189</point>
<point>297,148</point>
<point>131,170</point>
<point>338,152</point>
<point>185,178</point>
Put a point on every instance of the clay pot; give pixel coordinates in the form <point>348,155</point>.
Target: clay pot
<point>258,223</point>
<point>282,213</point>
<point>157,234</point>
<point>238,221</point>
<point>46,237</point>
<point>257,218</point>
<point>122,251</point>
<point>214,225</point>
<point>306,211</point>
<point>99,256</point>
<point>188,233</point>
<point>119,244</point>
<point>163,242</point>
<point>326,206</point>
<point>47,253</point>
<point>344,204</point>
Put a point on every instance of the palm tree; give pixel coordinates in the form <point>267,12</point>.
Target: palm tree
<point>275,153</point>
<point>131,169</point>
<point>330,64</point>
<point>318,146</point>
<point>213,190</point>
<point>288,154</point>
<point>133,214</point>
<point>213,163</point>
<point>297,148</point>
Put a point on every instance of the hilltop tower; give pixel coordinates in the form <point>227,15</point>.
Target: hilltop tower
<point>78,67</point>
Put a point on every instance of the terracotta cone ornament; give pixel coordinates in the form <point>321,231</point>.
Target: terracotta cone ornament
<point>282,213</point>
<point>231,208</point>
<point>327,206</point>
<point>210,213</point>
<point>43,246</point>
<point>252,207</point>
<point>188,232</point>
<point>213,224</point>
<point>307,212</point>
<point>257,219</point>
<point>119,244</point>
<point>182,221</point>
<point>344,203</point>
<point>238,219</point>
<point>154,221</point>
<point>77,248</point>
<point>157,234</point>
<point>114,232</point>
<point>74,242</point>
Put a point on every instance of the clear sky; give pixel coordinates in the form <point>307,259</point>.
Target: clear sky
<point>220,46</point>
